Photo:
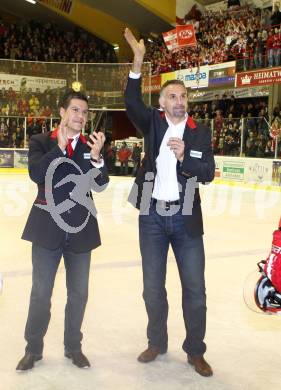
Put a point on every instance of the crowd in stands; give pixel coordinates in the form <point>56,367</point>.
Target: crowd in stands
<point>34,41</point>
<point>245,34</point>
<point>55,54</point>
<point>13,134</point>
<point>234,121</point>
<point>28,103</point>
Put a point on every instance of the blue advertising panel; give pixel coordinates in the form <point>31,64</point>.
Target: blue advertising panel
<point>6,158</point>
<point>21,158</point>
<point>222,75</point>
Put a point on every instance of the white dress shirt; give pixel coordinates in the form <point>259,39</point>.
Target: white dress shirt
<point>166,183</point>
<point>74,142</point>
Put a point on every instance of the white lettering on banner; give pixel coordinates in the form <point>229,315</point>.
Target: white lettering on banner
<point>269,75</point>
<point>151,88</point>
<point>262,77</point>
<point>194,78</point>
<point>185,34</point>
<point>20,82</point>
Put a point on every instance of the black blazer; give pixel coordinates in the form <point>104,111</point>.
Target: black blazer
<point>198,164</point>
<point>41,228</point>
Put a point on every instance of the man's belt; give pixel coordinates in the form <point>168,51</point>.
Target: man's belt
<point>164,204</point>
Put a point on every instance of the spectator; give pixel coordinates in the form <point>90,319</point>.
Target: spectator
<point>269,153</point>
<point>34,104</point>
<point>4,142</point>
<point>124,154</point>
<point>276,46</point>
<point>276,15</point>
<point>136,157</point>
<point>110,157</point>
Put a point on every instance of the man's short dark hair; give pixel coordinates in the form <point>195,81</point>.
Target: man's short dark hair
<point>69,95</point>
<point>171,82</point>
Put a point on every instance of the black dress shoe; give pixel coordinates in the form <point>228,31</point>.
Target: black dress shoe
<point>78,358</point>
<point>27,362</point>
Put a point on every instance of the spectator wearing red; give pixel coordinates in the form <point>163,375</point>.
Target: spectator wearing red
<point>269,48</point>
<point>46,111</point>
<point>124,154</point>
<point>276,47</point>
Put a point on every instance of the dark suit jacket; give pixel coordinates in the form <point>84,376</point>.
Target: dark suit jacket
<point>41,228</point>
<point>153,125</point>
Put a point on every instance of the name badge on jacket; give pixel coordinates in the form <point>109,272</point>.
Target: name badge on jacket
<point>87,156</point>
<point>196,154</point>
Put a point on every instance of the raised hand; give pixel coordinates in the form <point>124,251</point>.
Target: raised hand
<point>62,133</point>
<point>138,49</point>
<point>96,145</point>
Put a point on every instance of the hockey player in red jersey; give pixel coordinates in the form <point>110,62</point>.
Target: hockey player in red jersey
<point>268,287</point>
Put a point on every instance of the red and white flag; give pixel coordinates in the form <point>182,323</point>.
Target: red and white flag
<point>179,37</point>
<point>171,39</point>
<point>186,35</point>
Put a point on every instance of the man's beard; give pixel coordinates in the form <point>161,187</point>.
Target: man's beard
<point>179,112</point>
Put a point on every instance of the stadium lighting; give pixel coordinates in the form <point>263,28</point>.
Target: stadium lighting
<point>31,1</point>
<point>116,47</point>
<point>76,85</point>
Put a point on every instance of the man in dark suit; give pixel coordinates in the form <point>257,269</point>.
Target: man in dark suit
<point>178,155</point>
<point>62,222</point>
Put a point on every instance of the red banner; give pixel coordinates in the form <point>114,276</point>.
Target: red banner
<point>180,36</point>
<point>186,35</point>
<point>151,84</point>
<point>258,77</point>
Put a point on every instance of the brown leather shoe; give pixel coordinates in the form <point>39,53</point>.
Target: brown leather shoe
<point>150,354</point>
<point>200,365</point>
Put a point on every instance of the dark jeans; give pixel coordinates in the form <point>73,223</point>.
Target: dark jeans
<point>156,233</point>
<point>124,168</point>
<point>135,168</point>
<point>45,264</point>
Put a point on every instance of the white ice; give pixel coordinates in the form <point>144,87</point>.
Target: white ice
<point>243,346</point>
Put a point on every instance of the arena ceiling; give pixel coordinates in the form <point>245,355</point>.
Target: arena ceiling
<point>126,10</point>
<point>131,13</point>
<point>21,9</point>
<point>122,13</point>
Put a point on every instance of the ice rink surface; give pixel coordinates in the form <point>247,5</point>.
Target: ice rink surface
<point>244,347</point>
